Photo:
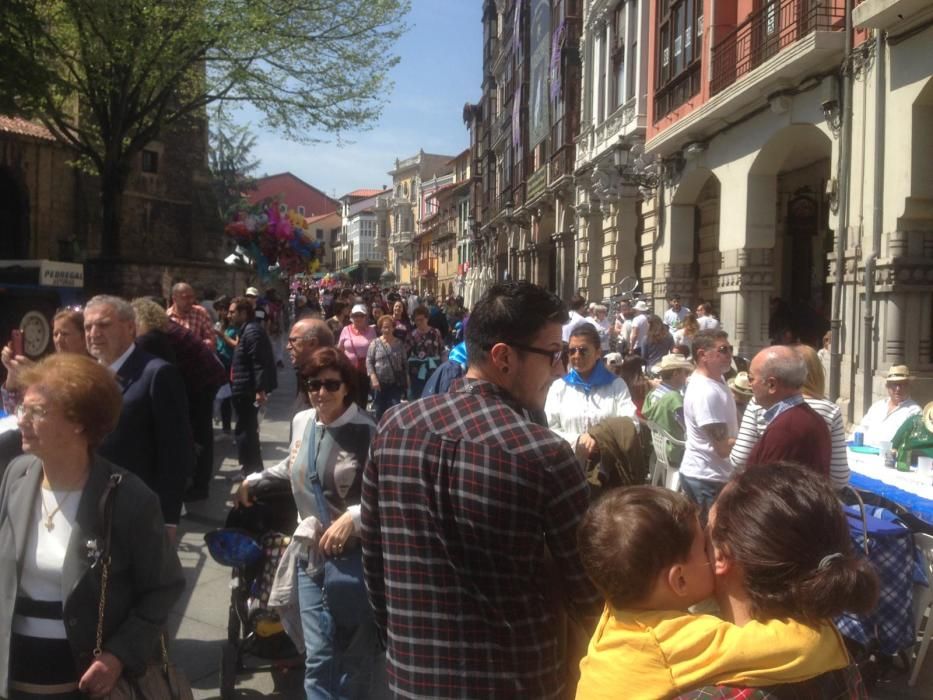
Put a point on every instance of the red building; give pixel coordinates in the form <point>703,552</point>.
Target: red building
<point>295,194</point>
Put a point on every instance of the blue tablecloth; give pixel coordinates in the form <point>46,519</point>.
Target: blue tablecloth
<point>921,507</point>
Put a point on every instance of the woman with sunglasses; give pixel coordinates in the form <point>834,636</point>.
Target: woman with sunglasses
<point>324,465</point>
<point>587,395</point>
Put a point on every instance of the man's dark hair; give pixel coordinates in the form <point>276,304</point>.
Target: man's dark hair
<point>244,304</point>
<point>588,332</point>
<point>339,307</point>
<point>577,302</point>
<point>706,340</point>
<point>511,312</point>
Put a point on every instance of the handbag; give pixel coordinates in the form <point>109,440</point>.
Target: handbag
<point>344,589</point>
<point>161,680</point>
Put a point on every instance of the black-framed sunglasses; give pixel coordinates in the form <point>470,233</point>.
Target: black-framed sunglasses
<point>315,385</point>
<point>582,351</point>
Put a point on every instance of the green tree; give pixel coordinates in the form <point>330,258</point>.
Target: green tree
<point>232,163</point>
<point>109,76</point>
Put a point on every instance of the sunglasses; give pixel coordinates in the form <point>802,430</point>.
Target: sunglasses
<point>315,385</point>
<point>724,349</point>
<point>581,351</point>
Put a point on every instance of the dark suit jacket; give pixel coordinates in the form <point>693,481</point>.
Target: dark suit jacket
<point>253,366</point>
<point>145,581</point>
<point>153,437</point>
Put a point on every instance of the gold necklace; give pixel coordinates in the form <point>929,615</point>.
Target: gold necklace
<point>49,525</point>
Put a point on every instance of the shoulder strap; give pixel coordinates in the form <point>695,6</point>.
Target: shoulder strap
<point>323,510</point>
<point>105,519</point>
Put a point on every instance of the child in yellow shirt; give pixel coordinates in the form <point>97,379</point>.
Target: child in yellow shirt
<point>644,549</point>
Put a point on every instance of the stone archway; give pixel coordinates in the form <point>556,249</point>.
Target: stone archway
<point>14,217</point>
<point>788,222</point>
<point>693,257</point>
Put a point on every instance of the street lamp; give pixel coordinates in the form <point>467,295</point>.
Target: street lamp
<point>633,168</point>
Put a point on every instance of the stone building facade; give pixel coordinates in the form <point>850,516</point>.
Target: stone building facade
<point>170,227</point>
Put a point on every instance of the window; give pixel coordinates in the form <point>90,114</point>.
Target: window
<point>618,54</point>
<point>301,210</point>
<point>283,208</point>
<point>680,28</point>
<point>150,161</point>
<point>319,234</point>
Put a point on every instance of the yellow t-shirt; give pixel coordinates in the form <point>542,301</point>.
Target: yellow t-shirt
<point>640,654</point>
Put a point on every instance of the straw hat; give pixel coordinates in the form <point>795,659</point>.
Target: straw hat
<point>898,373</point>
<point>672,361</point>
<point>739,384</point>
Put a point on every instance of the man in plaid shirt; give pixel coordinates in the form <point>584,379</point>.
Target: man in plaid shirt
<point>464,500</point>
<point>185,312</point>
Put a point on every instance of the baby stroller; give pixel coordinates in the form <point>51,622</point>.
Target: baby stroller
<point>252,544</point>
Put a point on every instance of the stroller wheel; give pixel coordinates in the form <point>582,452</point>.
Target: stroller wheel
<point>233,626</point>
<point>228,663</point>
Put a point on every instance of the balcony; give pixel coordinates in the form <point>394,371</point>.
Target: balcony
<point>400,238</point>
<point>767,32</point>
<point>764,54</point>
<point>884,14</point>
<point>677,91</point>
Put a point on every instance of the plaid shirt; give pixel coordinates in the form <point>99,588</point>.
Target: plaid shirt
<point>462,500</point>
<point>197,320</point>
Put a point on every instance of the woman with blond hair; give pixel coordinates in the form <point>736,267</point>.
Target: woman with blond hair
<point>52,539</point>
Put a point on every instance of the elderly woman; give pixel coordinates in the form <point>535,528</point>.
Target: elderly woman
<point>385,364</point>
<point>67,336</point>
<point>587,395</point>
<point>354,341</point>
<point>51,538</point>
<point>325,468</point>
<point>425,347</point>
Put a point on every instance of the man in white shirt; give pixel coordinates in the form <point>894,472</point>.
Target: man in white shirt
<point>711,421</point>
<point>638,336</point>
<point>884,417</point>
<point>675,315</point>
<point>705,319</point>
<point>577,306</point>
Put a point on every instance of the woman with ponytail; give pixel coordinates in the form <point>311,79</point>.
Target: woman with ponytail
<point>782,550</point>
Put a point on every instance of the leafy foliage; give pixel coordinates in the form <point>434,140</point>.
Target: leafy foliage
<point>109,76</point>
<point>231,163</point>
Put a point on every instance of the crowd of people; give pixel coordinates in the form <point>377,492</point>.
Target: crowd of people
<point>479,474</point>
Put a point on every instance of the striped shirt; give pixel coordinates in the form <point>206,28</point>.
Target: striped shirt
<point>463,500</point>
<point>754,424</point>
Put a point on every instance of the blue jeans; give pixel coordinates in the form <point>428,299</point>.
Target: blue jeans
<point>702,492</point>
<point>339,664</point>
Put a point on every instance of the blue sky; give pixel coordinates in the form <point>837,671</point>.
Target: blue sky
<point>440,70</point>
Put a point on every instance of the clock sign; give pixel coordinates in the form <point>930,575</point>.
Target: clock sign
<point>36,333</point>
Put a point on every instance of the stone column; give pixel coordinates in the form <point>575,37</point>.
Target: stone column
<point>620,228</point>
<point>746,283</point>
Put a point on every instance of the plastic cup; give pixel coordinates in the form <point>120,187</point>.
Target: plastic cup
<point>925,466</point>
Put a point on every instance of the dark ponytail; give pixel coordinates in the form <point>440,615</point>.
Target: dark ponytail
<point>785,526</point>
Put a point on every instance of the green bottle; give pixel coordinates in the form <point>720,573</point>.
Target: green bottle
<point>903,459</point>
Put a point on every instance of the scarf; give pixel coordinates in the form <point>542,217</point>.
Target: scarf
<point>458,353</point>
<point>599,377</point>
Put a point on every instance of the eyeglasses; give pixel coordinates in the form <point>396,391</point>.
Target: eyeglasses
<point>30,413</point>
<point>315,385</point>
<point>555,355</point>
<point>724,349</point>
<point>581,351</point>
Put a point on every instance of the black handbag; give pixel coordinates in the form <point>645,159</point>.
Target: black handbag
<point>344,588</point>
<point>160,680</point>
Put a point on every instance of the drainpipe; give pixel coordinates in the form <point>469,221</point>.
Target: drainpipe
<point>877,214</point>
<point>843,173</point>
